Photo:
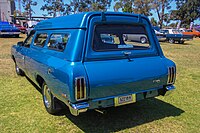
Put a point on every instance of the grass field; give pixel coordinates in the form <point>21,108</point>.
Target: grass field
<point>22,110</point>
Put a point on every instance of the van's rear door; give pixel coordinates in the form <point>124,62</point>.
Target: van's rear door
<point>116,65</point>
<point>115,77</point>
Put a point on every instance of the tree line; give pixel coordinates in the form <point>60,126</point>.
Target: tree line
<point>186,10</point>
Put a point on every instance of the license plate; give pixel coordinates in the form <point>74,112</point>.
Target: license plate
<point>122,100</point>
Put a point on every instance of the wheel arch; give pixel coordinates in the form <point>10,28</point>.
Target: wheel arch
<point>13,57</point>
<point>40,80</point>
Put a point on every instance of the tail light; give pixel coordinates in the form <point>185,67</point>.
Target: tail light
<point>80,88</point>
<point>171,75</point>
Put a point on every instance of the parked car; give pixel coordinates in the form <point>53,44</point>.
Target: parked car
<point>192,32</point>
<point>107,38</point>
<point>142,38</point>
<point>161,36</point>
<point>30,26</point>
<point>21,28</point>
<point>7,29</point>
<point>71,61</point>
<point>174,35</point>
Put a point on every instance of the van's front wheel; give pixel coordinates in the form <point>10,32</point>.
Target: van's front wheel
<point>49,100</point>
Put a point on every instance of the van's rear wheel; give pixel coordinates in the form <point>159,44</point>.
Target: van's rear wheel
<point>49,100</point>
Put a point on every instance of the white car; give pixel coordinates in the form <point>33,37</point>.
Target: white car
<point>30,26</point>
<point>161,36</point>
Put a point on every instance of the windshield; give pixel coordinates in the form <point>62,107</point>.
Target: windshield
<point>119,37</point>
<point>164,31</point>
<point>176,31</point>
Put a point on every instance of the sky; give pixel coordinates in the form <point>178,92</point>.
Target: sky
<point>39,12</point>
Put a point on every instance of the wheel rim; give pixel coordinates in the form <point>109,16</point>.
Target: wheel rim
<point>47,96</point>
<point>143,40</point>
<point>124,38</point>
<point>171,41</point>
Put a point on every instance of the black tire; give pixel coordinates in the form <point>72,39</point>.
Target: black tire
<point>143,40</point>
<point>17,36</point>
<point>180,42</point>
<point>19,71</point>
<point>171,40</point>
<point>49,100</point>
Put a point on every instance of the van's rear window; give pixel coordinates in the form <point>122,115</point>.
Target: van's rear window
<point>119,37</point>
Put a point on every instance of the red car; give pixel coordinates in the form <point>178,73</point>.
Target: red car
<point>21,28</point>
<point>193,32</point>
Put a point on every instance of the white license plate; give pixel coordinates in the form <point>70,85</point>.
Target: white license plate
<point>122,100</point>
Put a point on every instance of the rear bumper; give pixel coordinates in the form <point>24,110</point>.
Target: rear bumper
<point>169,89</point>
<point>78,108</point>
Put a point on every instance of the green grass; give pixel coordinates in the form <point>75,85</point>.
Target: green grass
<point>22,110</point>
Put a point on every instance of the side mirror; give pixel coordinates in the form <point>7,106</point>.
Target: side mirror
<point>20,43</point>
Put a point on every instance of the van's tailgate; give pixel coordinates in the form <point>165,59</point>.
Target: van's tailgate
<point>116,77</point>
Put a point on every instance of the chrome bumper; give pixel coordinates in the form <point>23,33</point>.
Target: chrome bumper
<point>78,108</point>
<point>75,109</point>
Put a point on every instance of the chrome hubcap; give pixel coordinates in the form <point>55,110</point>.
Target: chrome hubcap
<point>143,40</point>
<point>47,96</point>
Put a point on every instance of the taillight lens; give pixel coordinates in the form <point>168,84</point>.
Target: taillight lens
<point>80,88</point>
<point>171,75</point>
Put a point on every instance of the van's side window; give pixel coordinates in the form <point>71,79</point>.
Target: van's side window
<point>58,41</point>
<point>40,39</point>
<point>28,41</point>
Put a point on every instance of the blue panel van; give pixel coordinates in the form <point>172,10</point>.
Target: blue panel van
<point>85,61</point>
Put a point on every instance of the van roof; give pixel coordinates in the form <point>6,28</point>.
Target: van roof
<point>76,20</point>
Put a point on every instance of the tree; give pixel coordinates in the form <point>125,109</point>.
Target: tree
<point>88,5</point>
<point>187,11</point>
<point>54,7</point>
<point>167,18</point>
<point>173,25</point>
<point>160,6</point>
<point>125,5</point>
<point>154,22</point>
<point>27,5</point>
<point>137,6</point>
<point>143,7</point>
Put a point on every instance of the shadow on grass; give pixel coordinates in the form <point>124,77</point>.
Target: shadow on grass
<point>123,117</point>
<point>167,43</point>
<point>117,119</point>
<point>34,85</point>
